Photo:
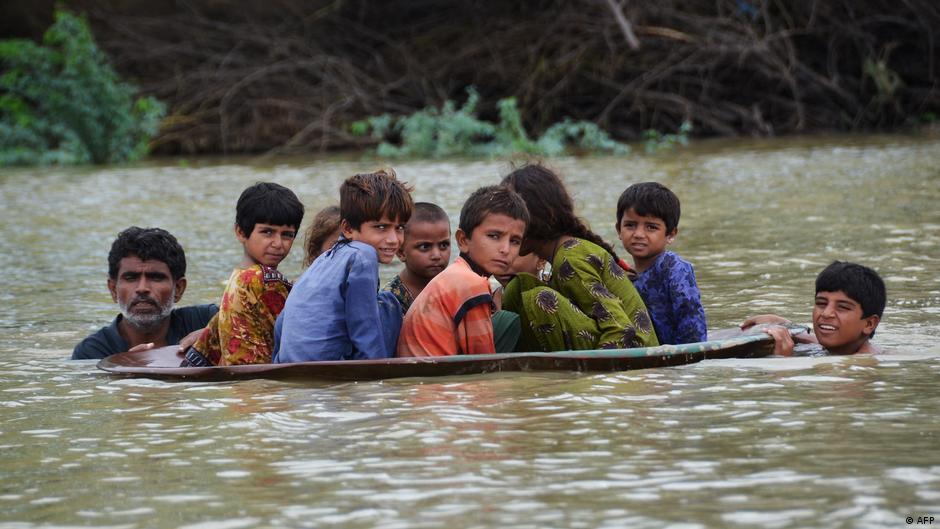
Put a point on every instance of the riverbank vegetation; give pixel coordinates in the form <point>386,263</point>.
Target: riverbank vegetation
<point>61,102</point>
<point>290,76</point>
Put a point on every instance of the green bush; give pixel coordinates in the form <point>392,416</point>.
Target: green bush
<point>63,103</point>
<point>654,140</point>
<point>452,131</point>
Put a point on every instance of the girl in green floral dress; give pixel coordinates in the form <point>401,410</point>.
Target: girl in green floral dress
<point>589,302</point>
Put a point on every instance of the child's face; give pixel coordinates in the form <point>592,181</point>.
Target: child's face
<point>838,322</point>
<point>385,235</point>
<point>329,241</point>
<point>426,250</point>
<point>494,244</point>
<point>644,237</point>
<point>267,244</point>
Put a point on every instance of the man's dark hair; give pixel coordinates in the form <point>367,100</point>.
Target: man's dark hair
<point>368,197</point>
<point>489,200</point>
<point>860,283</point>
<point>268,203</point>
<point>428,212</point>
<point>650,199</point>
<point>148,244</point>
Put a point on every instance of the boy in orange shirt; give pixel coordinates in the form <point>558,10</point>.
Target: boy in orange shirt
<point>454,314</point>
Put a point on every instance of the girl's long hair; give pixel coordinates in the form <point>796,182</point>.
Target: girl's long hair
<point>551,211</point>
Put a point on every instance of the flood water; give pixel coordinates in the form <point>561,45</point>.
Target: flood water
<point>776,442</point>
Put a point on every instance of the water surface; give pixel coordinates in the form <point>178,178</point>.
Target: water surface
<point>797,442</point>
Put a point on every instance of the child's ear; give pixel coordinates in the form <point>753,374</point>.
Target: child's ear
<point>871,323</point>
<point>345,229</point>
<point>463,242</point>
<point>239,234</point>
<point>672,236</point>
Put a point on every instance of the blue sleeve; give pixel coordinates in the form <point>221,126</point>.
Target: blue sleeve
<point>362,310</point>
<point>687,304</point>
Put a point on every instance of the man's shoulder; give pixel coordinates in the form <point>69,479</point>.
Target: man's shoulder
<point>196,312</point>
<point>106,341</point>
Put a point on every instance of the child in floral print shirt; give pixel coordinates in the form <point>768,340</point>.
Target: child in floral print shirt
<point>267,217</point>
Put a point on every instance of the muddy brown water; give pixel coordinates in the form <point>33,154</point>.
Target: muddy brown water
<point>776,442</point>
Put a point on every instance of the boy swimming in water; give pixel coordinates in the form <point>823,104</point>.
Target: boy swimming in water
<point>850,300</point>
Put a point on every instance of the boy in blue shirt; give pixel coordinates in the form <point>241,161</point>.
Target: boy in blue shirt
<point>648,221</point>
<point>335,311</point>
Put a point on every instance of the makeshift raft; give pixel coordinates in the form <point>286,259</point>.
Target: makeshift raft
<point>164,363</point>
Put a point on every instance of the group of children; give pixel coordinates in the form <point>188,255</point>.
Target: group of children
<point>529,276</point>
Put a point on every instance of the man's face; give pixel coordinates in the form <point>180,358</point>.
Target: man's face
<point>145,291</point>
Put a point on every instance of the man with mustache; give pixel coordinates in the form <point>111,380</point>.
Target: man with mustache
<point>146,277</point>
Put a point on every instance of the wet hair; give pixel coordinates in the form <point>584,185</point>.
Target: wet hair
<point>650,199</point>
<point>491,200</point>
<point>428,212</point>
<point>325,223</point>
<point>148,244</point>
<point>550,205</point>
<point>860,283</point>
<point>267,203</point>
<point>370,196</point>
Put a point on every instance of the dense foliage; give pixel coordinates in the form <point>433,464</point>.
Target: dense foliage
<point>292,75</point>
<point>449,131</point>
<point>63,103</point>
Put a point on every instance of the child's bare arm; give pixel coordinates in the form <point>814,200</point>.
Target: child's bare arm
<point>783,342</point>
<point>764,318</point>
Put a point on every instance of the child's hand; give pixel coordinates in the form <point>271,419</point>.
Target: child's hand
<point>783,342</point>
<point>764,318</point>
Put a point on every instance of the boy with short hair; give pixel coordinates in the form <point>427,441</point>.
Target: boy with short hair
<point>267,217</point>
<point>850,300</point>
<point>425,252</point>
<point>454,313</point>
<point>648,221</point>
<point>335,311</point>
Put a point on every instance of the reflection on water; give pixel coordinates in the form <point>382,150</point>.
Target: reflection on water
<point>798,442</point>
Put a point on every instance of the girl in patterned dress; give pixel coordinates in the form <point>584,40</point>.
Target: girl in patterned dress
<point>589,302</point>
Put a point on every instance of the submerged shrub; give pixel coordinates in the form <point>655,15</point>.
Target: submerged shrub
<point>452,131</point>
<point>654,140</point>
<point>63,103</point>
